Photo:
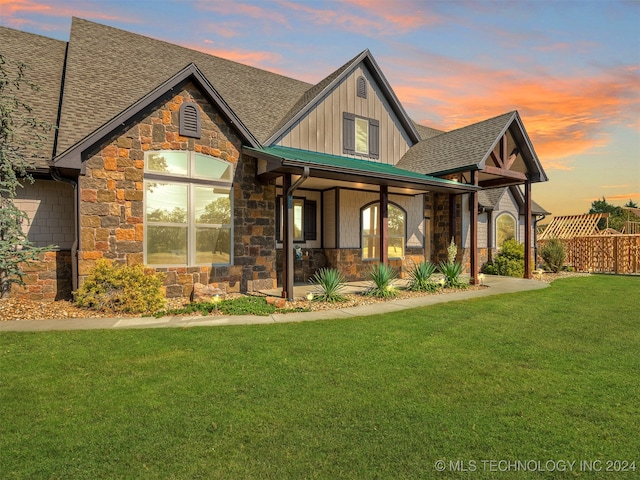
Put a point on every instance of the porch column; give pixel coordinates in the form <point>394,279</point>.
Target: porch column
<point>287,238</point>
<point>452,218</point>
<point>489,235</point>
<point>384,224</point>
<point>528,230</point>
<point>473,227</point>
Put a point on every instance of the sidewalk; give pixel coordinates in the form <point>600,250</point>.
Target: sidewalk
<point>496,286</point>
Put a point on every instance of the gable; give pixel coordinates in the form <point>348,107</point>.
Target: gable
<point>73,157</point>
<point>320,129</point>
<point>109,69</point>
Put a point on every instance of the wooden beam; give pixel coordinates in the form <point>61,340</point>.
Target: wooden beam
<point>496,160</point>
<point>473,224</point>
<point>504,173</point>
<point>528,231</point>
<point>384,224</point>
<point>512,158</point>
<point>499,182</point>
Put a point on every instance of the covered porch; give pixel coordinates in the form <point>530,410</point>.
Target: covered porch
<point>356,201</point>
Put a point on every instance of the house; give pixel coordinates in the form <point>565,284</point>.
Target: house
<point>216,172</point>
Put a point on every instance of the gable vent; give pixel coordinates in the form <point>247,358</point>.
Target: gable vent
<point>189,120</point>
<point>362,87</point>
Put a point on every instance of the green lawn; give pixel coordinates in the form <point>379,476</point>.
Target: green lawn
<point>548,375</point>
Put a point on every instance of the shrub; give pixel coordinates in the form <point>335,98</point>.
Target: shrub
<point>330,282</point>
<point>452,272</point>
<point>382,277</point>
<point>553,255</point>
<point>420,277</point>
<point>125,289</point>
<point>509,262</point>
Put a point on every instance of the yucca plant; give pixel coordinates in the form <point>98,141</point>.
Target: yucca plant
<point>382,277</point>
<point>452,272</point>
<point>420,277</point>
<point>330,282</point>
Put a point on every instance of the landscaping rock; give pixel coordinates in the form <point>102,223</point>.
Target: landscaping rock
<point>277,302</point>
<point>205,293</point>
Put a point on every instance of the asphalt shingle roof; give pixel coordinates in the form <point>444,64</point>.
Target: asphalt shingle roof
<point>45,59</point>
<point>109,69</point>
<point>462,148</point>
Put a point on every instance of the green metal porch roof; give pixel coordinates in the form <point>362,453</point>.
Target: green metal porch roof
<point>325,162</point>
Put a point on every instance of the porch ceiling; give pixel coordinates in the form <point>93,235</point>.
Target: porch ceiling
<point>327,171</point>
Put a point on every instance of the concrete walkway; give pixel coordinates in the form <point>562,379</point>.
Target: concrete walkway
<point>496,286</point>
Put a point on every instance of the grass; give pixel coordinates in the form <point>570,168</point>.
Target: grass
<point>544,375</point>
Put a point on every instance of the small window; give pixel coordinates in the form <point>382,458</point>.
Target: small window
<point>189,120</point>
<point>304,220</point>
<point>362,87</point>
<point>505,228</point>
<point>361,136</point>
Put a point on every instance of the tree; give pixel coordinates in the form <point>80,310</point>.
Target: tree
<point>21,137</point>
<point>616,219</point>
<point>631,204</point>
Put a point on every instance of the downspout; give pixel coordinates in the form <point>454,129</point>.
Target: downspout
<point>74,246</point>
<point>287,287</point>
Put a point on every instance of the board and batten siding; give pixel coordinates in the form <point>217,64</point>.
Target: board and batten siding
<point>329,218</point>
<point>320,130</point>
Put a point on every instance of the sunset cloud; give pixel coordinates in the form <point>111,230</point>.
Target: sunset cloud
<point>264,60</point>
<point>564,117</point>
<point>12,8</point>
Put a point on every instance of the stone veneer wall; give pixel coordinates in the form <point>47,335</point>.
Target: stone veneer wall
<point>440,223</point>
<point>112,191</point>
<point>47,279</point>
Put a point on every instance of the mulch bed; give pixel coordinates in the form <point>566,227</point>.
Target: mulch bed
<point>14,309</point>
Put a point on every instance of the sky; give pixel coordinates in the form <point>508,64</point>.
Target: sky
<point>571,68</point>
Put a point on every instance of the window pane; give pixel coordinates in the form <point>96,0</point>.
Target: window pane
<point>506,229</point>
<point>396,247</point>
<point>370,220</point>
<point>213,205</point>
<point>166,202</point>
<point>166,245</point>
<point>298,220</point>
<point>211,167</point>
<point>370,246</point>
<point>362,135</point>
<point>213,245</point>
<point>396,221</point>
<point>173,163</point>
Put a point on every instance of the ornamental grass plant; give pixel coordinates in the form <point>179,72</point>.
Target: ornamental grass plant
<point>330,282</point>
<point>420,278</point>
<point>382,277</point>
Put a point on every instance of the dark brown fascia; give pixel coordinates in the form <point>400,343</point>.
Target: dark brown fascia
<point>72,157</point>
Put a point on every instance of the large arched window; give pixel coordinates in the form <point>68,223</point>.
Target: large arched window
<point>505,228</point>
<point>370,228</point>
<point>187,210</point>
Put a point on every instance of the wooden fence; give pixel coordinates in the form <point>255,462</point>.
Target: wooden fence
<point>603,253</point>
